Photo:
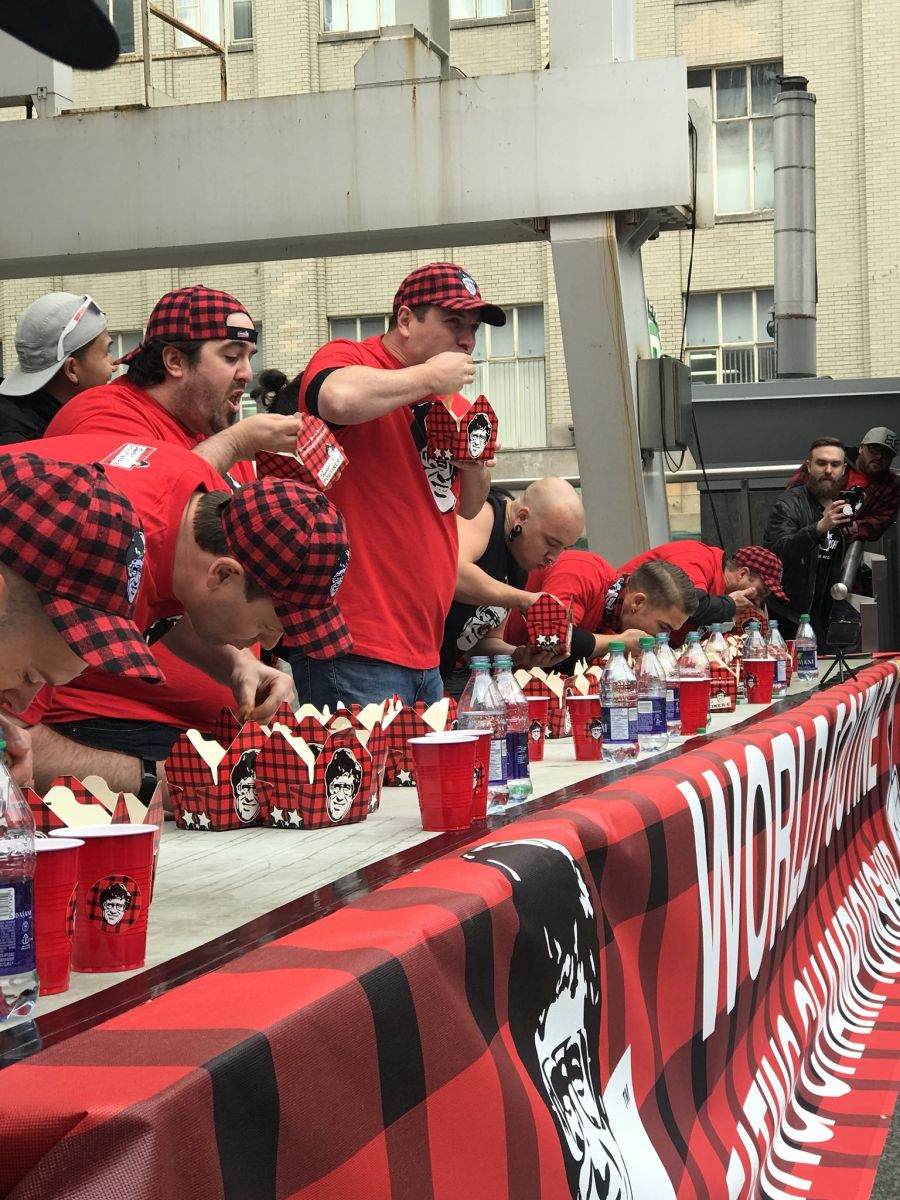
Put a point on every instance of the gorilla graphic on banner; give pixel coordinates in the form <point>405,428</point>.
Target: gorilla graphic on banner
<point>554,1019</point>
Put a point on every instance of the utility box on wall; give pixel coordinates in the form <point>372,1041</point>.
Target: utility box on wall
<point>664,403</point>
<point>29,77</point>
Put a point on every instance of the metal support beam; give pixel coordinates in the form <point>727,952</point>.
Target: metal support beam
<point>472,161</point>
<point>603,313</point>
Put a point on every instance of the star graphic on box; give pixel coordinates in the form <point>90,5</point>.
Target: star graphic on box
<point>203,821</point>
<point>188,819</point>
<point>404,779</point>
<point>294,819</point>
<point>276,817</point>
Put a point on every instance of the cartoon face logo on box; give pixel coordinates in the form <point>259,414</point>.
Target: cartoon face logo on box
<point>478,434</point>
<point>343,778</point>
<point>114,903</point>
<point>243,787</point>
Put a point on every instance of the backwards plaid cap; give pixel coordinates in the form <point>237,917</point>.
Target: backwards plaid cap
<point>69,533</point>
<point>765,564</point>
<point>446,285</point>
<point>292,542</point>
<point>193,314</point>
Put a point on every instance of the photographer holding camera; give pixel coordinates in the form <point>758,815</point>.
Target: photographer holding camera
<point>805,530</point>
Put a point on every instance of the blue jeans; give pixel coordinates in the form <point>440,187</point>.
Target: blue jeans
<point>357,680</point>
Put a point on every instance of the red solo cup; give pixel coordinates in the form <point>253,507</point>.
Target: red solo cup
<point>792,654</point>
<point>538,707</point>
<point>445,771</point>
<point>483,739</point>
<point>694,696</point>
<point>114,879</point>
<point>759,674</point>
<point>584,713</point>
<point>55,877</point>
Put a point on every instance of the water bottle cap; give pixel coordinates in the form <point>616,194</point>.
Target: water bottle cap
<point>616,646</point>
<point>647,643</point>
<point>693,636</point>
<point>772,625</point>
<point>662,637</point>
<point>804,617</point>
<point>753,624</point>
<point>479,660</point>
<point>716,628</point>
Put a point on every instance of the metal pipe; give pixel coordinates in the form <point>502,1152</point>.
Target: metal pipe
<point>775,471</point>
<point>795,229</point>
<point>849,570</point>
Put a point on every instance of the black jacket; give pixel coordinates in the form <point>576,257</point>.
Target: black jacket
<point>791,534</point>
<point>25,418</point>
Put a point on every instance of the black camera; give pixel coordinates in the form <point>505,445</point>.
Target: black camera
<point>854,496</point>
<point>843,633</point>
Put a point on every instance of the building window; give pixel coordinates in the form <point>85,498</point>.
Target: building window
<point>248,404</point>
<point>727,341</point>
<point>241,20</point>
<point>123,342</point>
<point>121,15</point>
<point>357,329</point>
<point>481,10</point>
<point>509,370</point>
<point>743,100</point>
<point>358,15</point>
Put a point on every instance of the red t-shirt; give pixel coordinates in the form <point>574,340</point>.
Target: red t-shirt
<point>704,565</point>
<point>400,520</point>
<point>578,578</point>
<point>158,481</point>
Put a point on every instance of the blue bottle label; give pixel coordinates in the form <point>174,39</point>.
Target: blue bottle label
<point>651,715</point>
<point>16,927</point>
<point>673,702</point>
<point>806,661</point>
<point>618,725</point>
<point>517,755</point>
<point>497,768</point>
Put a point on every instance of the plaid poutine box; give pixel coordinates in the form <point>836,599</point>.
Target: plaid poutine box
<point>556,687</point>
<point>457,429</point>
<point>409,723</point>
<point>549,625</point>
<point>318,462</point>
<point>723,686</point>
<point>751,614</point>
<point>309,790</point>
<point>214,787</point>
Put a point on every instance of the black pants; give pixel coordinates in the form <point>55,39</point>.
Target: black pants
<point>143,739</point>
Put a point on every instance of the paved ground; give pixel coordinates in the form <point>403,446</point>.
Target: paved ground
<point>887,1182</point>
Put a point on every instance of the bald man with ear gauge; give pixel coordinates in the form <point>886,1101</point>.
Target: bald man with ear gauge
<point>497,549</point>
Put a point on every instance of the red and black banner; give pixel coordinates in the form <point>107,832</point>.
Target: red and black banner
<point>684,984</point>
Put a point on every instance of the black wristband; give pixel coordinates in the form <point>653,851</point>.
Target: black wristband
<point>149,780</point>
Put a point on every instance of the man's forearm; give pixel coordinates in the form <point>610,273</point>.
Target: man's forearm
<point>56,755</point>
<point>352,395</point>
<point>221,450</point>
<point>218,662</point>
<point>473,489</point>
<point>475,586</point>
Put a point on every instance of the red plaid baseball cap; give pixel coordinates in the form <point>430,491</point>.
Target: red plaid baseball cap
<point>194,314</point>
<point>446,285</point>
<point>765,564</point>
<point>74,537</point>
<point>292,542</point>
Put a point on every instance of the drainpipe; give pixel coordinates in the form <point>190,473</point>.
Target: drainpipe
<point>795,229</point>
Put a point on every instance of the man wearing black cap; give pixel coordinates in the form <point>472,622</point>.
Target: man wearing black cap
<point>400,504</point>
<point>259,564</point>
<point>62,348</point>
<point>71,568</point>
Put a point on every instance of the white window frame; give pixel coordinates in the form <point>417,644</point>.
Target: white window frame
<point>386,16</point>
<point>119,346</point>
<point>216,34</point>
<point>485,358</point>
<point>762,351</point>
<point>359,336</point>
<point>749,119</point>
<point>512,10</point>
<point>108,8</point>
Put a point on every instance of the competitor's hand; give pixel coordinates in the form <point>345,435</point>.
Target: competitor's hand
<point>18,752</point>
<point>259,690</point>
<point>449,372</point>
<point>632,640</point>
<point>743,599</point>
<point>267,431</point>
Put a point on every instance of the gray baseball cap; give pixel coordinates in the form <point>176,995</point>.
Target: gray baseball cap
<point>47,332</point>
<point>881,436</point>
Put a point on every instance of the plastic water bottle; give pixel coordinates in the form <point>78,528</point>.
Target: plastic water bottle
<point>669,663</point>
<point>778,650</point>
<point>481,707</point>
<point>716,646</point>
<point>518,776</point>
<point>754,645</point>
<point>651,704</point>
<point>693,663</point>
<point>807,652</point>
<point>618,708</point>
<point>18,977</point>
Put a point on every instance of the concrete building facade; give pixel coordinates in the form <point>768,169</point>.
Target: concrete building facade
<point>735,47</point>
